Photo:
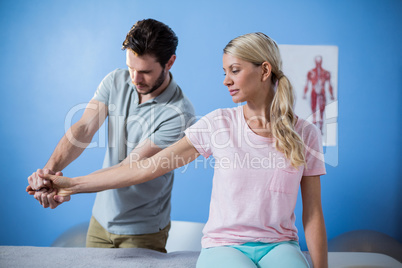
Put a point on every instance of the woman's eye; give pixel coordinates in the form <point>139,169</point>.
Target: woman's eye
<point>235,71</point>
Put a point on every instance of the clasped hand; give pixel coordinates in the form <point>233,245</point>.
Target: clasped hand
<point>41,186</point>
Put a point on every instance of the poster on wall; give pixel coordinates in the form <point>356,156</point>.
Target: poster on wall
<point>313,72</point>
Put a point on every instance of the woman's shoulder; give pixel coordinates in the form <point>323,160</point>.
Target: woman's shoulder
<point>221,117</point>
<point>233,111</point>
<point>306,128</point>
<point>224,112</point>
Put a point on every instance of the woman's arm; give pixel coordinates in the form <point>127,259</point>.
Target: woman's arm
<point>313,221</point>
<point>175,156</point>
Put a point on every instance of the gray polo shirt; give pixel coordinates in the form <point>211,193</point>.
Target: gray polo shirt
<point>143,208</point>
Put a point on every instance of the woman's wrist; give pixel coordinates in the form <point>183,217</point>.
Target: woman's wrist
<point>86,184</point>
<point>77,185</point>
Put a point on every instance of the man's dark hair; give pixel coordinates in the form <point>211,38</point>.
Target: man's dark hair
<point>153,38</point>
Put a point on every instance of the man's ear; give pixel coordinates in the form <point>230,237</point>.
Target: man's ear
<point>170,62</point>
<point>266,70</point>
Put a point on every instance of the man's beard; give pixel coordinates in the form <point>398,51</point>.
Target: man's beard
<point>159,81</point>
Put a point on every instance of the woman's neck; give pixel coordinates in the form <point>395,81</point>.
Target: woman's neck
<point>259,108</point>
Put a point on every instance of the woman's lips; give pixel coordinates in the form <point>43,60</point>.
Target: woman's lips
<point>233,91</point>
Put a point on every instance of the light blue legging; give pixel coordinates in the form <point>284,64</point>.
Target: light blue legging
<point>261,255</point>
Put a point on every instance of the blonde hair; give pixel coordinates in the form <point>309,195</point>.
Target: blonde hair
<point>258,48</point>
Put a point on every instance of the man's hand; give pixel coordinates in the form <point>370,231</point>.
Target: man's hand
<point>48,198</point>
<point>42,189</point>
<point>36,182</point>
<point>63,185</point>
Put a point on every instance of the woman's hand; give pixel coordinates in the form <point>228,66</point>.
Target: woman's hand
<point>63,185</point>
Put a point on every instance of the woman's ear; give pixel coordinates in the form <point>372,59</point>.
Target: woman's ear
<point>266,70</point>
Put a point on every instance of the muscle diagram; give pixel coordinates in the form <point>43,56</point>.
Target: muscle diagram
<point>319,81</point>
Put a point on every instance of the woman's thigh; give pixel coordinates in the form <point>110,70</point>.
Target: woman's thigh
<point>222,257</point>
<point>284,255</point>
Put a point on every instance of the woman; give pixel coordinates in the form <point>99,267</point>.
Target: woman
<point>262,152</point>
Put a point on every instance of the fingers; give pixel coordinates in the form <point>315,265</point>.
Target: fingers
<point>29,190</point>
<point>38,179</point>
<point>64,185</point>
<point>49,198</point>
<point>56,200</point>
<point>47,183</point>
<point>52,202</point>
<point>46,198</point>
<point>62,199</point>
<point>38,196</point>
<point>54,188</point>
<point>35,181</point>
<point>40,186</point>
<point>32,181</point>
<point>48,177</point>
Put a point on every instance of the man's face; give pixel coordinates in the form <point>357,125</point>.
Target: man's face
<point>146,73</point>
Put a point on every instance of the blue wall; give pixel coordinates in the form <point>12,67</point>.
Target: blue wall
<point>54,54</point>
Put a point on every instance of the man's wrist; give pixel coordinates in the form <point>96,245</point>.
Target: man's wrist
<point>53,166</point>
<point>49,167</point>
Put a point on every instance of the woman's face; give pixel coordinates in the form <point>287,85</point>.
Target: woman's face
<point>243,79</point>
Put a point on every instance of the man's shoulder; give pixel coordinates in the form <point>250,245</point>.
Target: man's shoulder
<point>180,100</point>
<point>116,80</point>
<point>119,73</point>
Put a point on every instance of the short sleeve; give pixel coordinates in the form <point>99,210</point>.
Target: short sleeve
<point>200,133</point>
<point>103,91</point>
<point>172,129</point>
<point>314,154</point>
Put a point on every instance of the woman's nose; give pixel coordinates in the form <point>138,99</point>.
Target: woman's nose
<point>227,81</point>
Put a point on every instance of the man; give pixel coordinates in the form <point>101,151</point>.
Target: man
<point>147,112</point>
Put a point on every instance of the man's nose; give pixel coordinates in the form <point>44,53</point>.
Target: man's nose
<point>136,77</point>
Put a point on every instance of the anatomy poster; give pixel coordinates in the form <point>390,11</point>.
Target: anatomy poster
<point>313,72</point>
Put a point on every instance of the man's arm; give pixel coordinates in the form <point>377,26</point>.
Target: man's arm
<point>313,221</point>
<point>78,137</point>
<point>72,144</point>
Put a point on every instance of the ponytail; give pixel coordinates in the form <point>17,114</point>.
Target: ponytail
<point>283,121</point>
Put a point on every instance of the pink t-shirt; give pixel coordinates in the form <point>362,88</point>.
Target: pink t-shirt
<point>255,188</point>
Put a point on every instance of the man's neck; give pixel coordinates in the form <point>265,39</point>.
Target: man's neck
<point>147,97</point>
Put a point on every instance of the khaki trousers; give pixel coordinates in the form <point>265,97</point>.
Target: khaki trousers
<point>98,237</point>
